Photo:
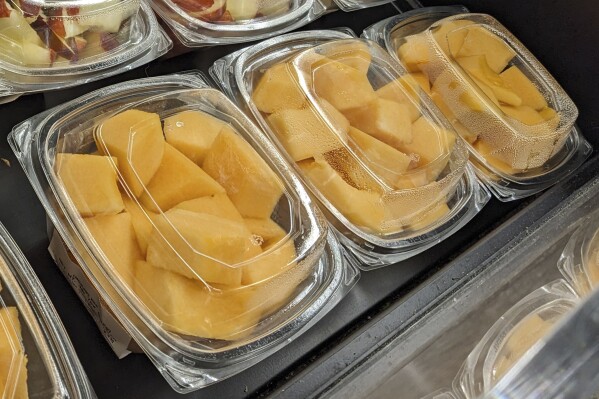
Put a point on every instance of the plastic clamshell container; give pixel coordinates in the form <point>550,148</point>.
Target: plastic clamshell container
<point>518,122</point>
<point>198,23</point>
<point>579,263</point>
<point>351,5</point>
<point>37,359</point>
<point>389,196</point>
<point>209,268</point>
<point>48,44</point>
<point>513,336</point>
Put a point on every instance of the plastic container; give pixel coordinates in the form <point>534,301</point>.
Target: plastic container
<point>513,336</point>
<point>52,45</point>
<point>209,269</point>
<point>579,263</point>
<point>37,359</point>
<point>518,122</point>
<point>389,197</point>
<point>351,5</point>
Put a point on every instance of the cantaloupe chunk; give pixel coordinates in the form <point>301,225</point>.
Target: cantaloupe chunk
<point>277,257</point>
<point>116,237</point>
<point>178,179</point>
<point>351,170</point>
<point>431,217</point>
<point>277,90</point>
<point>360,207</point>
<point>342,86</point>
<point>353,53</point>
<point>304,134</point>
<point>91,183</point>
<point>414,52</point>
<point>200,246</point>
<point>250,183</point>
<point>217,205</point>
<point>13,360</point>
<point>551,117</point>
<point>335,118</point>
<point>187,307</point>
<point>192,133</point>
<point>450,37</point>
<point>485,150</point>
<point>515,80</point>
<point>402,91</point>
<point>142,220</point>
<point>480,41</point>
<point>420,78</point>
<point>135,138</point>
<point>386,120</point>
<point>525,114</point>
<point>384,160</point>
<point>269,231</point>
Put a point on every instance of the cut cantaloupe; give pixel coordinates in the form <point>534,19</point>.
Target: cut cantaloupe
<point>13,360</point>
<point>178,179</point>
<point>431,217</point>
<point>248,180</point>
<point>450,37</point>
<point>414,52</point>
<point>515,80</point>
<point>217,205</point>
<point>402,91</point>
<point>351,170</point>
<point>116,237</point>
<point>485,150</point>
<point>142,220</point>
<point>386,120</point>
<point>200,246</point>
<point>192,133</point>
<point>91,183</point>
<point>480,41</point>
<point>277,257</point>
<point>525,114</point>
<point>277,90</point>
<point>267,229</point>
<point>135,138</point>
<point>343,86</point>
<point>353,53</point>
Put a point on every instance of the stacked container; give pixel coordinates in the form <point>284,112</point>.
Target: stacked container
<point>204,245</point>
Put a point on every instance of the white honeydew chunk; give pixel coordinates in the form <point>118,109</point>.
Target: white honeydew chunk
<point>273,7</point>
<point>242,9</point>
<point>36,55</point>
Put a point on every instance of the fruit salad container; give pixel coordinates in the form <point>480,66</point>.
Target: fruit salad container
<point>351,5</point>
<point>48,45</point>
<point>195,233</point>
<point>384,165</point>
<point>518,122</point>
<point>579,263</point>
<point>513,336</point>
<point>37,359</point>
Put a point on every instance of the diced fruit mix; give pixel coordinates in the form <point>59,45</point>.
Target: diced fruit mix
<point>360,143</point>
<point>184,215</point>
<point>488,62</point>
<point>221,11</point>
<point>42,36</point>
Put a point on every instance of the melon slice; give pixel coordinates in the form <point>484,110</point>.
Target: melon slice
<point>403,91</point>
<point>91,183</point>
<point>480,41</point>
<point>217,205</point>
<point>388,121</point>
<point>187,307</point>
<point>200,246</point>
<point>142,220</point>
<point>450,37</point>
<point>525,114</point>
<point>250,183</point>
<point>267,229</point>
<point>485,150</point>
<point>116,237</point>
<point>13,360</point>
<point>342,85</point>
<point>431,217</point>
<point>414,52</point>
<point>275,260</point>
<point>353,53</point>
<point>351,170</point>
<point>277,90</point>
<point>135,138</point>
<point>177,179</point>
<point>515,80</point>
<point>192,133</point>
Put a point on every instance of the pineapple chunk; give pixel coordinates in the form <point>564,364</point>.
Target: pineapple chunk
<point>217,205</point>
<point>178,179</point>
<point>278,90</point>
<point>480,41</point>
<point>450,36</point>
<point>250,183</point>
<point>142,220</point>
<point>515,80</point>
<point>91,183</point>
<point>414,52</point>
<point>135,139</point>
<point>13,360</point>
<point>386,120</point>
<point>192,133</point>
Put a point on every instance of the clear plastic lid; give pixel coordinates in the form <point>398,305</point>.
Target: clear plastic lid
<point>198,235</point>
<point>513,336</point>
<point>370,147</point>
<point>350,5</point>
<point>36,356</point>
<point>46,43</point>
<point>517,120</point>
<point>201,23</point>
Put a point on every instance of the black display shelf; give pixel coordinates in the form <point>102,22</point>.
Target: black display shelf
<point>563,35</point>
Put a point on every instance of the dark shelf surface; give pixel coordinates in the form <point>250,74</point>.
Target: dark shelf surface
<point>563,35</point>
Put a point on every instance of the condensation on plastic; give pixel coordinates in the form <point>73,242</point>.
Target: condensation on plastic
<point>82,43</point>
<point>514,159</point>
<point>388,224</point>
<point>514,334</point>
<point>246,320</point>
<point>351,5</point>
<point>37,359</point>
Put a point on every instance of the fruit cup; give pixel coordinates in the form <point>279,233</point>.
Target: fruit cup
<point>48,45</point>
<point>517,121</point>
<point>384,165</point>
<point>37,359</point>
<point>513,337</point>
<point>195,232</point>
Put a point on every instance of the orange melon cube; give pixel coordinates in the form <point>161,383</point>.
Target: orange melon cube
<point>267,229</point>
<point>525,114</point>
<point>275,259</point>
<point>480,41</point>
<point>142,220</point>
<point>450,36</point>
<point>515,80</point>
<point>353,53</point>
<point>414,52</point>
<point>217,205</point>
<point>13,360</point>
<point>403,91</point>
<point>278,90</point>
